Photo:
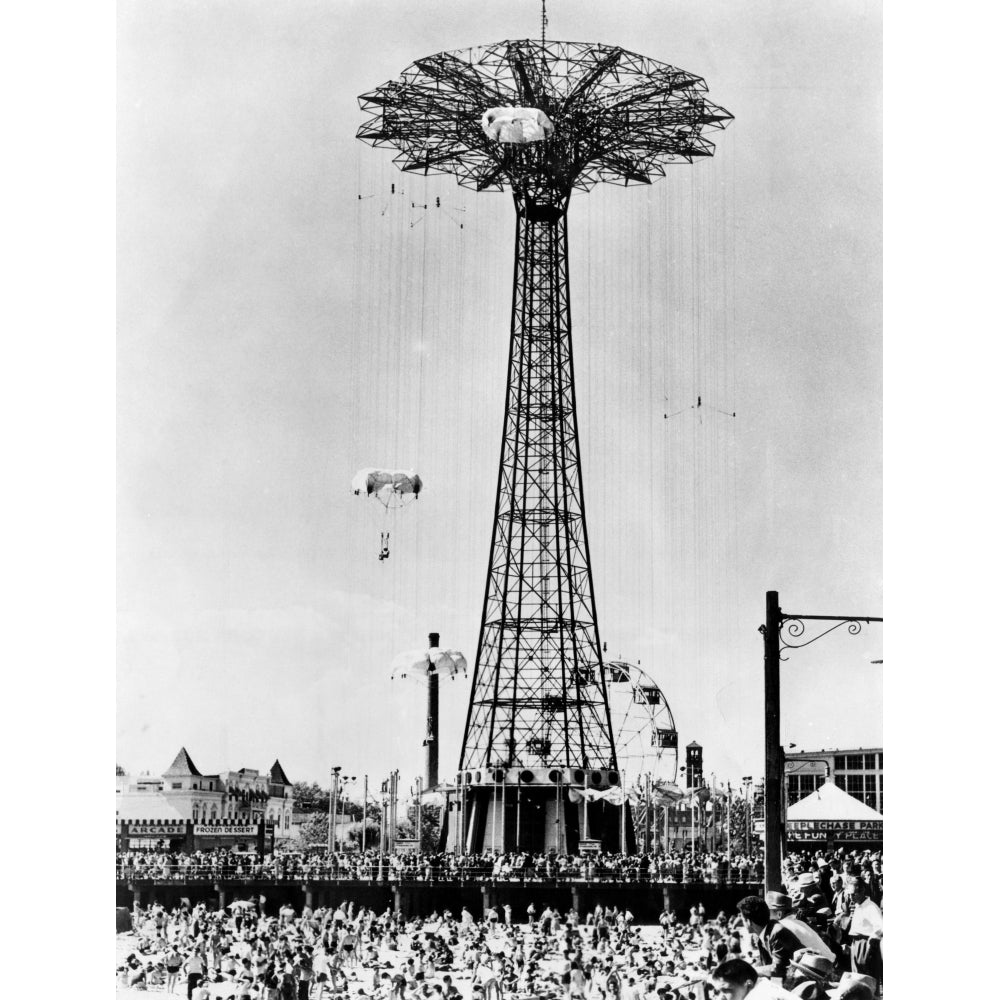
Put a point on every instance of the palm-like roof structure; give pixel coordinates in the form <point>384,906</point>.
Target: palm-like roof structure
<point>618,116</point>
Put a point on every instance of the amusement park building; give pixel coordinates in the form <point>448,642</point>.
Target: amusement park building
<point>184,793</point>
<point>857,772</point>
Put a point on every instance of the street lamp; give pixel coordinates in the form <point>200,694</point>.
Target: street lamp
<point>747,812</point>
<point>786,771</point>
<point>680,825</point>
<point>364,816</point>
<point>808,760</point>
<point>781,632</point>
<point>338,781</point>
<point>334,779</point>
<point>691,805</point>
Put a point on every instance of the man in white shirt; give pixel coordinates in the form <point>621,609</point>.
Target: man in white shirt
<point>599,979</point>
<point>865,932</point>
<point>195,969</point>
<point>631,991</point>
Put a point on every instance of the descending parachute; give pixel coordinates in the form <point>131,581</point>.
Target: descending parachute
<point>419,663</point>
<point>666,792</point>
<point>517,125</point>
<point>392,489</point>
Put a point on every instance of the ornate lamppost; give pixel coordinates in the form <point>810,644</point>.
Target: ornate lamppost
<point>778,630</point>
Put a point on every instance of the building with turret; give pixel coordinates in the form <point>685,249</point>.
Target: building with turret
<point>183,793</point>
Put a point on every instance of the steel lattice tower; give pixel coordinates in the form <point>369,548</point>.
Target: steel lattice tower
<point>539,693</point>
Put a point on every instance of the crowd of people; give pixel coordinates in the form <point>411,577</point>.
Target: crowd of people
<point>675,866</point>
<point>819,940</point>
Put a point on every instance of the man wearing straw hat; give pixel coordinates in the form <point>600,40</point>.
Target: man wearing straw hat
<point>811,974</point>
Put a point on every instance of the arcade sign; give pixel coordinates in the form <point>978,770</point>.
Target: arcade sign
<point>157,830</point>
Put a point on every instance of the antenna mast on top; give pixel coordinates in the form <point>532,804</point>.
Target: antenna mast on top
<point>545,21</point>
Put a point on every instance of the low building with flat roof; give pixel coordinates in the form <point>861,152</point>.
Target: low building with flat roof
<point>857,772</point>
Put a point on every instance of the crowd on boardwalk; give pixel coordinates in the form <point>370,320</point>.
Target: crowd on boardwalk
<point>670,867</point>
<point>820,940</point>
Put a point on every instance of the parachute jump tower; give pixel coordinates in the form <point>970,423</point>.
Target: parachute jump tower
<point>538,768</point>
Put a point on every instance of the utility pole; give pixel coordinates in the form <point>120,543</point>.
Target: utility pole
<point>331,838</point>
<point>364,817</point>
<point>517,819</point>
<point>418,822</point>
<point>712,820</point>
<point>772,744</point>
<point>381,832</point>
<point>623,786</point>
<point>395,812</point>
<point>693,801</point>
<point>729,826</point>
<point>393,785</point>
<point>336,804</point>
<point>493,812</point>
<point>433,680</point>
<point>459,818</point>
<point>645,836</point>
<point>388,814</point>
<point>559,824</point>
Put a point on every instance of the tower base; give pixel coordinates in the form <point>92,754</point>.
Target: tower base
<point>508,817</point>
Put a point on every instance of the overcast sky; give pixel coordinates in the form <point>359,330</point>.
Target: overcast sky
<point>277,332</point>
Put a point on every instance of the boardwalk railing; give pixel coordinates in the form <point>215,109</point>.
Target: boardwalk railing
<point>195,872</point>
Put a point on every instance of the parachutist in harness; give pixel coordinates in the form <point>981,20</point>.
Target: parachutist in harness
<point>697,407</point>
<point>393,489</point>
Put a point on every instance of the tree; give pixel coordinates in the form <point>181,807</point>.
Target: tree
<point>309,797</point>
<point>315,831</point>
<point>430,829</point>
<point>353,835</point>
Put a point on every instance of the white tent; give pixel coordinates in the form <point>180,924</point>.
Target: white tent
<point>831,802</point>
<point>831,815</point>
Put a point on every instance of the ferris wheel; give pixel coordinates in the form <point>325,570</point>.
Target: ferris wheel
<point>643,725</point>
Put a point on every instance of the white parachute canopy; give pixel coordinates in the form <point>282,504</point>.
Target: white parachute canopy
<point>666,793</point>
<point>388,486</point>
<point>420,663</point>
<point>615,796</point>
<point>699,796</point>
<point>517,125</point>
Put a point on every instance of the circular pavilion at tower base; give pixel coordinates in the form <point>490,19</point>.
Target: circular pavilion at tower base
<point>541,809</point>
